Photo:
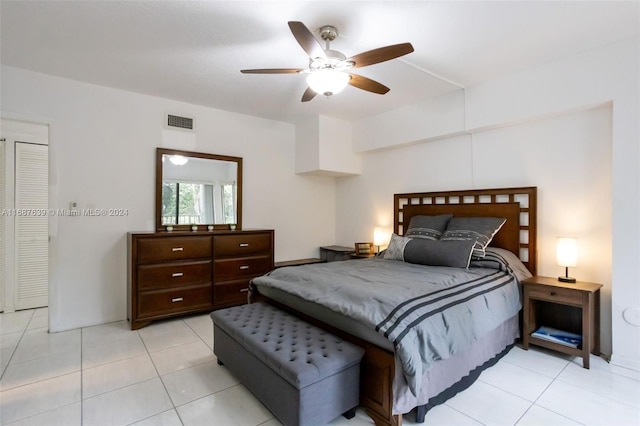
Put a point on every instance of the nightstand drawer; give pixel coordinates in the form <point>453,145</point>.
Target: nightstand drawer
<point>555,294</point>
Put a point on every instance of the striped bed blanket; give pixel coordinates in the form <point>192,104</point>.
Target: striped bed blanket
<point>428,312</point>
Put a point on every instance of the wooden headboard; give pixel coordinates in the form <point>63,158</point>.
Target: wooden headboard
<point>517,205</point>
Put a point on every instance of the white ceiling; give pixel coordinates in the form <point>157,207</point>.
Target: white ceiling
<point>193,51</point>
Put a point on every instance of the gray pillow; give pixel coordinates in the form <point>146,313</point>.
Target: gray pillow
<point>395,250</point>
<point>439,253</point>
<point>478,229</point>
<point>428,227</point>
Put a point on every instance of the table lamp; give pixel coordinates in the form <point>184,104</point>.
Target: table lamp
<point>567,255</point>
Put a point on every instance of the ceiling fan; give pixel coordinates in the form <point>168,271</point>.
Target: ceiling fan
<point>329,70</point>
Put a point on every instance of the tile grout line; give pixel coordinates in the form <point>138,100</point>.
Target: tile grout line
<point>593,391</point>
<point>204,396</point>
<point>458,411</point>
<point>160,378</point>
<point>81,378</point>
<point>24,331</point>
<point>545,389</point>
<point>531,403</point>
<point>610,398</point>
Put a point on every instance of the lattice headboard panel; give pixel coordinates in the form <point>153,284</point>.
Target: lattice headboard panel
<point>517,205</point>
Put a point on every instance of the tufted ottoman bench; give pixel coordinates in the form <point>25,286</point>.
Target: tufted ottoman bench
<point>302,374</point>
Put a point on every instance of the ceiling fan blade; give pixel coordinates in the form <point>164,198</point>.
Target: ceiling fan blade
<point>381,54</point>
<point>367,84</point>
<point>307,41</point>
<point>308,95</point>
<point>273,71</point>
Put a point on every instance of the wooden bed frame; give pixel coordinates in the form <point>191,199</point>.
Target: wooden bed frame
<point>518,235</point>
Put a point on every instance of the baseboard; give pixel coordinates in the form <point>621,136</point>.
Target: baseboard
<point>630,363</point>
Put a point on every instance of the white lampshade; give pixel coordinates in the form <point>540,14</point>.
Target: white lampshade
<point>327,81</point>
<point>380,236</point>
<point>567,252</point>
<point>178,160</point>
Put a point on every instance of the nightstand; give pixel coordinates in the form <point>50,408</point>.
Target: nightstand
<point>572,307</point>
<point>335,253</point>
<point>361,256</point>
<point>298,262</point>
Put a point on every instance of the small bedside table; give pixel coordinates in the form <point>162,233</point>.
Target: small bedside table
<point>361,256</point>
<point>335,253</point>
<point>298,262</point>
<point>572,307</point>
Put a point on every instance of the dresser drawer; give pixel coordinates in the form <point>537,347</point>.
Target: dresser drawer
<point>241,244</point>
<point>152,250</point>
<point>554,294</point>
<point>160,302</point>
<point>176,274</point>
<point>228,269</point>
<point>231,292</point>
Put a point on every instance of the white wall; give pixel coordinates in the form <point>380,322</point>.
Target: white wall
<point>102,155</point>
<point>435,118</point>
<point>581,112</point>
<point>324,147</point>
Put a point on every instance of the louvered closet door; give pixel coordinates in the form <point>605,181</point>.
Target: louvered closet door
<point>32,234</point>
<point>3,182</point>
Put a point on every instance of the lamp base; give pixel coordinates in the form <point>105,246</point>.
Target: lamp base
<point>567,279</point>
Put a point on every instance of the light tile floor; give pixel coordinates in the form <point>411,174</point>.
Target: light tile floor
<point>165,374</point>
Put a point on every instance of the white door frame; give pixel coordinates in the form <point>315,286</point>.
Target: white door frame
<point>16,130</point>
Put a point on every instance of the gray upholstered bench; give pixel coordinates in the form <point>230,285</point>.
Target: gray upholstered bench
<point>303,374</point>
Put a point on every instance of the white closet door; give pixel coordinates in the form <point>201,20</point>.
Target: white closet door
<point>3,192</point>
<point>32,233</point>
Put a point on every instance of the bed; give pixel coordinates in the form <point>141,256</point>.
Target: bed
<point>380,304</point>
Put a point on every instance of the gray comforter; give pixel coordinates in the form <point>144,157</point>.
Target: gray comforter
<point>427,312</point>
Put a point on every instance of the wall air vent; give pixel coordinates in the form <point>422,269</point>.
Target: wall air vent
<point>179,122</point>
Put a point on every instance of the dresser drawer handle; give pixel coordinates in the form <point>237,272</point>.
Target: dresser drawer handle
<point>242,290</point>
<point>244,267</point>
<point>177,299</point>
<point>553,293</point>
<point>244,244</point>
<point>177,249</point>
<point>177,274</point>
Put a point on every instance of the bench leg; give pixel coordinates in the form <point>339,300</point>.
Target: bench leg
<point>350,414</point>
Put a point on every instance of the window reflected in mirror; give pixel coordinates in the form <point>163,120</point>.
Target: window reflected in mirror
<point>198,188</point>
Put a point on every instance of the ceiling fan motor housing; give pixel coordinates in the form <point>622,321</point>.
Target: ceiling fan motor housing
<point>328,33</point>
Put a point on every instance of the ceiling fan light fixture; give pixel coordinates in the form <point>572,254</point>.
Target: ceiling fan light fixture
<point>327,81</point>
<point>178,160</point>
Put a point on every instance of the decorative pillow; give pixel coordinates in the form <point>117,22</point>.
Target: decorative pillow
<point>395,250</point>
<point>428,227</point>
<point>478,229</point>
<point>439,253</point>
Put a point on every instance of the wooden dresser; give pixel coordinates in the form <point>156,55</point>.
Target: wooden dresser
<point>178,273</point>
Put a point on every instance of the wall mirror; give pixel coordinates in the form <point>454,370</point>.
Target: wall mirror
<point>195,188</point>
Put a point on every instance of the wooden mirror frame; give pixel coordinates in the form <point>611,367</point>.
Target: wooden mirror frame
<point>163,151</point>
